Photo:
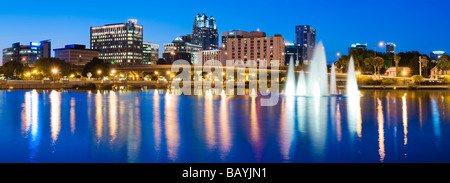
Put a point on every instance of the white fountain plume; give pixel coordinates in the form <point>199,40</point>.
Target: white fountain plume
<point>290,79</point>
<point>333,89</point>
<point>301,84</point>
<point>352,85</point>
<point>318,74</point>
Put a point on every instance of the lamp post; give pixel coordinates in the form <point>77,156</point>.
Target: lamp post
<point>54,72</point>
<point>99,72</point>
<point>380,44</point>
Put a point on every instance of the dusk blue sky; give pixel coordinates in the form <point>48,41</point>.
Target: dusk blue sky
<point>421,25</point>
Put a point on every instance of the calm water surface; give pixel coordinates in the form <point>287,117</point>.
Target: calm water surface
<point>149,126</point>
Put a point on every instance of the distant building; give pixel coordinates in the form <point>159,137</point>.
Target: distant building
<point>436,73</point>
<point>205,33</point>
<point>305,37</point>
<point>206,55</point>
<point>76,54</point>
<point>180,49</point>
<point>294,51</point>
<point>403,71</point>
<point>390,48</point>
<point>257,47</point>
<point>436,55</point>
<point>27,54</point>
<point>150,53</point>
<point>119,43</point>
<point>357,46</point>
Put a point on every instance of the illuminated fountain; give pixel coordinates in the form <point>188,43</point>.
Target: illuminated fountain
<point>316,83</point>
<point>352,85</point>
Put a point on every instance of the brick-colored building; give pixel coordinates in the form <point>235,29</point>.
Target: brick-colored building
<point>256,46</point>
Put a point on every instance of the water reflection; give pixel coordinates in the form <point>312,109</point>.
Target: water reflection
<point>172,132</point>
<point>380,117</point>
<point>230,128</point>
<point>55,121</point>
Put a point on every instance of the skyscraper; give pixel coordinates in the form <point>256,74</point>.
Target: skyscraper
<point>390,48</point>
<point>180,50</point>
<point>357,46</point>
<point>205,33</point>
<point>294,51</point>
<point>119,43</point>
<point>27,54</point>
<point>305,37</point>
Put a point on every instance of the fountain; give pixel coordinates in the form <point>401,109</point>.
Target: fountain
<point>290,80</point>
<point>301,84</point>
<point>352,85</point>
<point>333,89</point>
<point>316,84</point>
<point>318,76</point>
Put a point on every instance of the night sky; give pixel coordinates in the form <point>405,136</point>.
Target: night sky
<point>422,25</point>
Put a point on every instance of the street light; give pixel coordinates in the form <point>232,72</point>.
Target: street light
<point>380,44</point>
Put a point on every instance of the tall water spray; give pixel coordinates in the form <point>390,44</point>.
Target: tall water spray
<point>290,80</point>
<point>352,85</point>
<point>318,74</point>
<point>333,89</point>
<point>301,84</point>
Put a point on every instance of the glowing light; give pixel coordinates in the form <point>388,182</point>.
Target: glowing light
<point>156,72</point>
<point>54,71</point>
<point>113,71</point>
<point>99,71</point>
<point>358,73</point>
<point>28,74</point>
<point>404,73</point>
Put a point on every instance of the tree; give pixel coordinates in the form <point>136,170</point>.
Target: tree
<point>46,65</point>
<point>444,63</point>
<point>94,66</point>
<point>160,61</point>
<point>342,63</point>
<point>378,63</point>
<point>12,69</point>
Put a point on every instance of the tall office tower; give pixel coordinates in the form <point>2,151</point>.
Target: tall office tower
<point>257,47</point>
<point>205,33</point>
<point>27,54</point>
<point>390,48</point>
<point>119,43</point>
<point>150,53</point>
<point>305,37</point>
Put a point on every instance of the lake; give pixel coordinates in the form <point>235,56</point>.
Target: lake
<point>381,126</point>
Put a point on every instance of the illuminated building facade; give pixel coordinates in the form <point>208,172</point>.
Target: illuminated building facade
<point>76,54</point>
<point>390,48</point>
<point>119,43</point>
<point>436,55</point>
<point>305,37</point>
<point>180,49</point>
<point>257,47</point>
<point>205,33</point>
<point>150,53</point>
<point>27,54</point>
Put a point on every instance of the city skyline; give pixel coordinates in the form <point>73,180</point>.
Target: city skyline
<point>338,26</point>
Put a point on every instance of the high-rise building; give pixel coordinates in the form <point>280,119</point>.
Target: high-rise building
<point>206,55</point>
<point>150,53</point>
<point>27,54</point>
<point>436,55</point>
<point>390,48</point>
<point>205,33</point>
<point>180,49</point>
<point>257,47</point>
<point>305,37</point>
<point>76,54</point>
<point>294,51</point>
<point>119,43</point>
<point>357,46</point>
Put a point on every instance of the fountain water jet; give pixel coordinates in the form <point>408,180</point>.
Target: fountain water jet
<point>318,74</point>
<point>290,80</point>
<point>301,84</point>
<point>352,85</point>
<point>333,89</point>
